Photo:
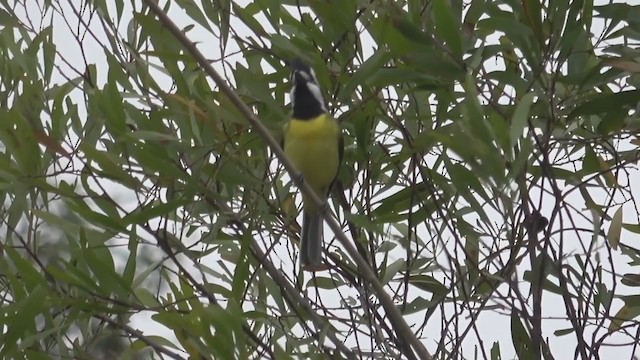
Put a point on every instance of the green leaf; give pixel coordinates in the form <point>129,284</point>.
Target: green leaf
<point>615,229</point>
<point>394,35</point>
<point>23,143</point>
<point>520,118</point>
<point>151,268</point>
<point>8,20</point>
<point>194,12</point>
<point>130,268</point>
<point>520,338</point>
<point>547,285</point>
<point>22,322</point>
<point>613,121</point>
<point>110,164</point>
<point>363,74</point>
<point>533,14</point>
<point>154,210</point>
<point>495,351</point>
<point>631,280</point>
<point>139,345</point>
<point>631,300</point>
<point>402,200</point>
<point>428,283</point>
<point>475,11</point>
<point>57,221</point>
<point>590,162</point>
<point>410,31</point>
<point>418,304</point>
<point>606,102</point>
<point>219,12</point>
<point>390,271</point>
<point>626,313</point>
<point>100,262</point>
<point>326,283</point>
<point>241,274</point>
<point>448,27</point>
<point>562,332</point>
<point>146,298</point>
<point>29,276</point>
<point>504,22</point>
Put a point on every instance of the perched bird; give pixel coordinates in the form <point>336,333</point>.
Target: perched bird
<point>312,140</point>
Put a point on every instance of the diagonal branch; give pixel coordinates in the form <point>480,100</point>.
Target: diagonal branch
<point>400,326</point>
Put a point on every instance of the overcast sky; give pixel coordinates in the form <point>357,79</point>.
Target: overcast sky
<point>492,326</point>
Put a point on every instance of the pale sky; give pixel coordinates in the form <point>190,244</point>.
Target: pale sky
<point>491,325</point>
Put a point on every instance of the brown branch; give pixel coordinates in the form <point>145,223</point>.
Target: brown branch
<point>395,317</point>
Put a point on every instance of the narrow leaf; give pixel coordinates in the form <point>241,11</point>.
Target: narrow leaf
<point>615,229</point>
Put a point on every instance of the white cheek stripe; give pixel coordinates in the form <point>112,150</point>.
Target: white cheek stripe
<point>315,91</point>
<point>313,76</point>
<point>311,84</point>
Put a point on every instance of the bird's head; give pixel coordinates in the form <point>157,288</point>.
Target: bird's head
<point>306,95</point>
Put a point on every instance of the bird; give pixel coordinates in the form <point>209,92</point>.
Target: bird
<point>313,142</point>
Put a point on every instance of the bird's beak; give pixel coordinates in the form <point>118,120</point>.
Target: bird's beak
<point>298,78</point>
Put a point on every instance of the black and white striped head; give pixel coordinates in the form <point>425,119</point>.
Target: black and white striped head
<point>306,95</point>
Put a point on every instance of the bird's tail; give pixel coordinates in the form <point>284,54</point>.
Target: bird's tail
<point>311,242</point>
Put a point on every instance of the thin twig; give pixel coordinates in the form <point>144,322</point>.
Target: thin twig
<point>399,324</point>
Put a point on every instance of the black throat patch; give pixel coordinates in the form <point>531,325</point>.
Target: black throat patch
<point>305,105</point>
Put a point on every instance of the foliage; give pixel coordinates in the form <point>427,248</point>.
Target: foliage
<point>491,150</point>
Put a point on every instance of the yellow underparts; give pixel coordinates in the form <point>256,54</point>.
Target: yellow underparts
<point>312,146</point>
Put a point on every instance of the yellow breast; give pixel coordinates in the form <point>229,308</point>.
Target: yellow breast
<point>312,146</point>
